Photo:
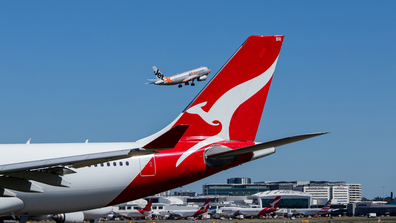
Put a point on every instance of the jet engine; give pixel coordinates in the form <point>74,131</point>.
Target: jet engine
<point>202,78</point>
<point>97,213</point>
<point>217,163</point>
<point>10,204</point>
<point>73,217</point>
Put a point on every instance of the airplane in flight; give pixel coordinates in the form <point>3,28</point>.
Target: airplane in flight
<point>313,211</point>
<point>187,213</point>
<point>199,74</point>
<point>215,132</point>
<point>236,211</point>
<point>146,211</point>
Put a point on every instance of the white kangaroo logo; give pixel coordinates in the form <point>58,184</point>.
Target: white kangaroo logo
<point>224,108</point>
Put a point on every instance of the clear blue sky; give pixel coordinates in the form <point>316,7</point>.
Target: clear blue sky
<point>76,70</point>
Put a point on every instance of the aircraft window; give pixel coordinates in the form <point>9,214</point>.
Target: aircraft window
<point>108,164</point>
<point>120,163</point>
<point>114,164</point>
<point>96,165</point>
<point>127,163</point>
<point>129,207</point>
<point>102,164</point>
<point>121,208</point>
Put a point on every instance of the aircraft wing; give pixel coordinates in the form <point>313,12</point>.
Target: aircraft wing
<point>49,169</point>
<point>265,145</point>
<point>165,141</point>
<point>175,214</point>
<point>17,176</point>
<point>72,161</point>
<point>297,212</point>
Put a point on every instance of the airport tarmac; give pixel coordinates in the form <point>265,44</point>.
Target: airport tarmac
<point>297,220</point>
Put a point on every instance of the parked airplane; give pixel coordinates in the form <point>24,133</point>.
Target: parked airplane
<point>235,211</point>
<point>313,211</point>
<point>187,213</point>
<point>214,133</point>
<point>200,74</point>
<point>146,211</point>
<point>393,202</point>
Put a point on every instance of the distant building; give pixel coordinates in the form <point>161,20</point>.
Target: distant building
<point>355,192</point>
<point>164,194</point>
<point>289,199</point>
<point>187,193</point>
<point>340,194</point>
<point>239,180</point>
<point>365,208</point>
<point>321,191</point>
<point>234,187</point>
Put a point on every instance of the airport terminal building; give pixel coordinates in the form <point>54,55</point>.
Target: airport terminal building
<point>290,199</point>
<point>320,191</point>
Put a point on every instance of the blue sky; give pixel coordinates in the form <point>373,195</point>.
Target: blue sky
<point>71,71</point>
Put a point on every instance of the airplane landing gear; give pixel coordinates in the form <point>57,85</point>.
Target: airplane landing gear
<point>192,84</point>
<point>180,85</point>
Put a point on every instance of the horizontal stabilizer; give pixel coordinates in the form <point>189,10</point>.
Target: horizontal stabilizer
<point>169,139</point>
<point>265,145</point>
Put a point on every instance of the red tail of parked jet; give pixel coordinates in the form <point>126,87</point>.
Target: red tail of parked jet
<point>203,209</point>
<point>271,206</point>
<point>147,210</point>
<point>215,132</point>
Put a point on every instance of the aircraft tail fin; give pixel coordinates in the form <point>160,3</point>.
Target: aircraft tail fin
<point>167,140</point>
<point>274,203</point>
<point>231,104</point>
<point>393,202</point>
<point>204,208</point>
<point>158,73</point>
<point>148,206</point>
<point>326,207</point>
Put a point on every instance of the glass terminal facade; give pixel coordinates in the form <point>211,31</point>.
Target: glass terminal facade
<point>233,189</point>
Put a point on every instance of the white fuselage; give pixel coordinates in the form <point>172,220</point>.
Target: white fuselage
<point>306,211</point>
<point>228,211</point>
<point>91,187</point>
<point>190,75</point>
<point>178,213</point>
<point>132,213</point>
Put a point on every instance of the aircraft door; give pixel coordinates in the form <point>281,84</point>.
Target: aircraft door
<point>147,166</point>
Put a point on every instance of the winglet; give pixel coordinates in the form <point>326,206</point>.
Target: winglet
<point>169,139</point>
